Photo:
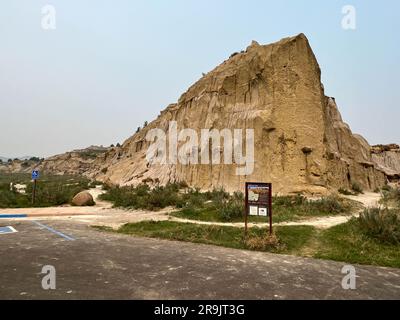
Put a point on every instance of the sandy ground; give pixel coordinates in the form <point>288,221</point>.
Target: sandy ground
<point>102,214</point>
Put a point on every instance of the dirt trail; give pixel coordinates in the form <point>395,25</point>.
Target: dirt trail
<point>104,215</point>
<point>368,199</point>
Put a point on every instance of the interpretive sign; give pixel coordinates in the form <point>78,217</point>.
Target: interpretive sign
<point>258,201</point>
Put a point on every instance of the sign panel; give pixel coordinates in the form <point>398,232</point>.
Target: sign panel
<point>35,174</point>
<point>253,211</point>
<point>258,201</point>
<point>263,212</point>
<point>259,197</point>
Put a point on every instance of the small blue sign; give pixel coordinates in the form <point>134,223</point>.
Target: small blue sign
<point>35,174</point>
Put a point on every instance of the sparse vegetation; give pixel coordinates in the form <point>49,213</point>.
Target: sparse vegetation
<point>349,243</point>
<point>218,205</point>
<point>390,197</point>
<point>51,190</point>
<point>291,208</point>
<point>90,153</point>
<point>346,192</point>
<point>35,159</point>
<point>346,242</point>
<point>381,224</point>
<point>356,188</point>
<point>264,242</point>
<point>142,197</point>
<point>285,239</point>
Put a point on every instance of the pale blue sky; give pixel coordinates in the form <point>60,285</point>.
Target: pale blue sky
<point>111,65</point>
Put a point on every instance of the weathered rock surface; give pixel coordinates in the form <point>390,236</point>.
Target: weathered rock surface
<point>83,198</point>
<point>387,159</point>
<point>76,162</point>
<point>18,166</point>
<point>301,142</point>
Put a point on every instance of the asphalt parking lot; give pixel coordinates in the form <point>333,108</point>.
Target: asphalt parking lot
<point>96,265</point>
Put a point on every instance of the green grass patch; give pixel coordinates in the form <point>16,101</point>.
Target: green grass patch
<point>347,242</point>
<point>50,190</point>
<point>291,238</point>
<point>285,208</point>
<point>390,197</point>
<point>219,206</point>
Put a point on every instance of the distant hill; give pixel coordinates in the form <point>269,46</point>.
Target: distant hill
<point>76,162</point>
<point>5,159</point>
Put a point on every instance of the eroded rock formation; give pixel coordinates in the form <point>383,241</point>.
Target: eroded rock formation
<point>301,142</point>
<point>76,162</point>
<point>387,158</point>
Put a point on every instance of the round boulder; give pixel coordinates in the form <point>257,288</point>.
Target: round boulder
<point>82,199</point>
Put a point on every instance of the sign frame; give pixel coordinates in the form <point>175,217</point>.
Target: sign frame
<point>249,203</point>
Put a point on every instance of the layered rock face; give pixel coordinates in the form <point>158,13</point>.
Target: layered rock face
<point>387,158</point>
<point>300,141</point>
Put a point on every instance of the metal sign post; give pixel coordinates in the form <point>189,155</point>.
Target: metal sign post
<point>35,176</point>
<point>258,202</point>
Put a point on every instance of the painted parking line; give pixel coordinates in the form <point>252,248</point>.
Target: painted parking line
<point>8,216</point>
<point>5,230</point>
<point>54,231</point>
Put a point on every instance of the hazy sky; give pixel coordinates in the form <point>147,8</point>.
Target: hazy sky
<point>110,65</point>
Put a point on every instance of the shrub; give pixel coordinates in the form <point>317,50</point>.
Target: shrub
<point>346,192</point>
<point>142,197</point>
<point>391,197</point>
<point>289,201</point>
<point>51,191</point>
<point>356,188</point>
<point>217,195</point>
<point>329,204</point>
<point>263,243</point>
<point>25,164</point>
<point>381,224</point>
<point>233,208</point>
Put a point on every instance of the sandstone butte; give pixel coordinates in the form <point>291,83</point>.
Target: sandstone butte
<point>301,142</point>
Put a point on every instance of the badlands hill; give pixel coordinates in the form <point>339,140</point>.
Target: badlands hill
<point>301,142</point>
<point>76,162</point>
